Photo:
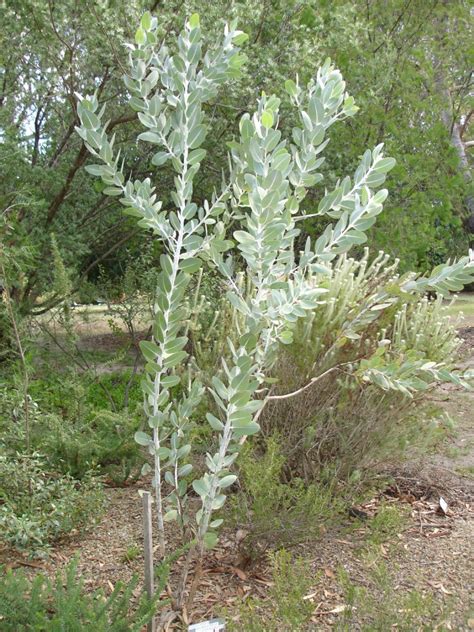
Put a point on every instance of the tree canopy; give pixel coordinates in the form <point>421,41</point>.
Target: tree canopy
<point>407,63</point>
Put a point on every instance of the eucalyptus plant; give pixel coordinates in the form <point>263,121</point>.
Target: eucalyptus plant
<point>260,202</point>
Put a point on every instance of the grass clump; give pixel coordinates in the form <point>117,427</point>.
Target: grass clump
<point>131,553</point>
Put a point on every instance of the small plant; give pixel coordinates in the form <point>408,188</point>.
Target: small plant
<point>132,552</point>
<point>41,605</point>
<point>10,323</point>
<point>387,524</point>
<point>285,607</point>
<point>380,607</point>
<point>38,506</point>
<point>274,513</point>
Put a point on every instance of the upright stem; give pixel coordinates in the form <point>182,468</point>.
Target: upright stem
<point>207,508</point>
<point>176,249</point>
<point>16,331</point>
<point>157,389</point>
<point>148,550</point>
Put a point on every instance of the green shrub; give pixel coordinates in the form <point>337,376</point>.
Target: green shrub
<point>116,383</point>
<point>274,513</point>
<point>71,393</point>
<point>41,605</point>
<point>62,393</point>
<point>38,506</point>
<point>102,442</point>
<point>73,427</point>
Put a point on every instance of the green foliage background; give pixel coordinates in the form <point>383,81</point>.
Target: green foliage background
<point>400,59</point>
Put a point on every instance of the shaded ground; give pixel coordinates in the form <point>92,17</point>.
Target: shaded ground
<point>427,550</point>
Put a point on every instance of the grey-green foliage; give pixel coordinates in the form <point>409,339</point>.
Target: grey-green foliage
<point>267,181</point>
<point>450,277</point>
<point>173,115</point>
<point>38,507</point>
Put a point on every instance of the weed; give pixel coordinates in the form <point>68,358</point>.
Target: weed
<point>387,523</point>
<point>131,553</point>
<point>382,606</point>
<point>466,471</point>
<point>454,452</point>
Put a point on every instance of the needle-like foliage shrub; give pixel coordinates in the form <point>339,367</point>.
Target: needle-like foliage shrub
<point>378,351</point>
<point>257,212</point>
<point>42,605</point>
<point>70,425</point>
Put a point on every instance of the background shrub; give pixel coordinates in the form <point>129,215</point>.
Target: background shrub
<point>102,442</point>
<point>344,424</point>
<point>39,506</point>
<point>72,426</point>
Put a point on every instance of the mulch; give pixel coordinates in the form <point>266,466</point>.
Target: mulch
<point>434,552</point>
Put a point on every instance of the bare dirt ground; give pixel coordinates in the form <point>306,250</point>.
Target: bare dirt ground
<point>431,552</point>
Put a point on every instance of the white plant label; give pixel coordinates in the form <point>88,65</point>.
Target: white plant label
<point>213,625</point>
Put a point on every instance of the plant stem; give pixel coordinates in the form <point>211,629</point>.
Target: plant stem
<point>16,331</point>
<point>166,315</point>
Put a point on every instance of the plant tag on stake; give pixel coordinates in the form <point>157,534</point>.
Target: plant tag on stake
<point>213,625</point>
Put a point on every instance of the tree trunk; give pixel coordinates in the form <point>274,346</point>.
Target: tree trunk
<point>454,128</point>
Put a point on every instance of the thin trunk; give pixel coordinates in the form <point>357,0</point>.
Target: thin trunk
<point>21,352</point>
<point>448,117</point>
<point>59,198</point>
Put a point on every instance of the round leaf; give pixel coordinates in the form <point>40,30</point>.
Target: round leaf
<point>142,438</point>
